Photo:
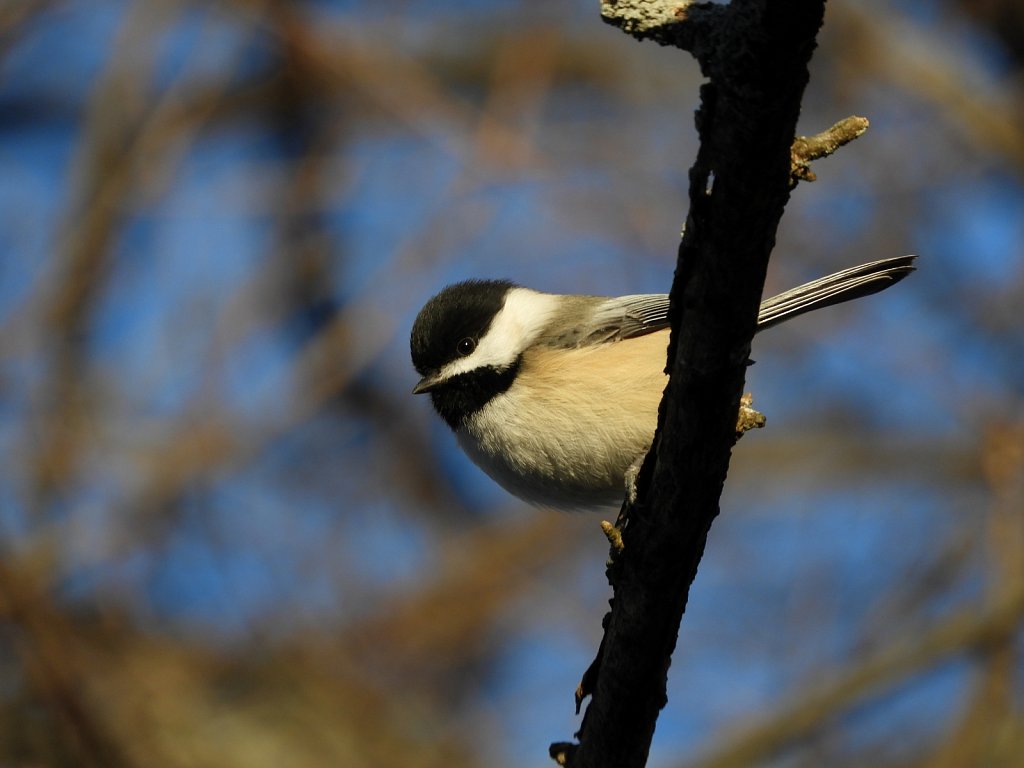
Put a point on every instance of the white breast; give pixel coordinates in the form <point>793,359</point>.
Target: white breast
<point>572,423</point>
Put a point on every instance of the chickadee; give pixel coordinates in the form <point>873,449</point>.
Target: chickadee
<point>555,397</point>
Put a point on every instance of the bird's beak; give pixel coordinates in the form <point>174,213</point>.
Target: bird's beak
<point>425,384</point>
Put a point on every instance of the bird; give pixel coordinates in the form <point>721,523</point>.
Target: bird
<point>555,396</point>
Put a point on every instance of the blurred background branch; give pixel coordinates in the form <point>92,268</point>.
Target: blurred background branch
<point>228,536</point>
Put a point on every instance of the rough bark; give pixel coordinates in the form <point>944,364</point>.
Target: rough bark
<point>755,55</point>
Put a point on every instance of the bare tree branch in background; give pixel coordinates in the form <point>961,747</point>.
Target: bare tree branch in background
<point>270,559</point>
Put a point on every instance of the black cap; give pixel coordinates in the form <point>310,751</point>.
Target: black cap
<point>460,311</point>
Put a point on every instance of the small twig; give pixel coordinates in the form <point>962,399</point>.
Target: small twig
<point>614,535</point>
<point>748,418</point>
<point>562,751</point>
<point>809,148</point>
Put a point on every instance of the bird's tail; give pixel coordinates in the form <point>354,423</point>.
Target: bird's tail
<point>834,289</point>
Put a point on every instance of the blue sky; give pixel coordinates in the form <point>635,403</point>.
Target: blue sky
<point>310,527</point>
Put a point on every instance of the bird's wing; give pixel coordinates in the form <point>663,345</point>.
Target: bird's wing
<point>624,317</point>
<point>601,320</point>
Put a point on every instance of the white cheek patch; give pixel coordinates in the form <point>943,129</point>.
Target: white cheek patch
<point>520,321</point>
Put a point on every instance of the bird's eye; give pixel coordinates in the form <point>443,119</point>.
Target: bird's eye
<point>466,346</point>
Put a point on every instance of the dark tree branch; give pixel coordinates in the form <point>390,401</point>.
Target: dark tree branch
<point>755,54</point>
